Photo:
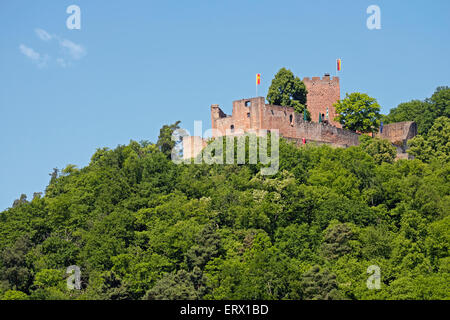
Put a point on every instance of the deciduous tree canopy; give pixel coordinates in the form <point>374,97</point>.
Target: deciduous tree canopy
<point>424,113</point>
<point>288,90</point>
<point>358,112</point>
<point>140,226</point>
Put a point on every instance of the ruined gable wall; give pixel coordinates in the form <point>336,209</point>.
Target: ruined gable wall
<point>254,114</point>
<point>399,133</point>
<point>246,115</point>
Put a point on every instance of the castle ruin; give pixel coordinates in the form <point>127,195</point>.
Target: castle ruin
<point>254,114</point>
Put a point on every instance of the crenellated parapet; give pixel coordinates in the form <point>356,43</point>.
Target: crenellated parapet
<point>323,93</point>
<point>253,114</point>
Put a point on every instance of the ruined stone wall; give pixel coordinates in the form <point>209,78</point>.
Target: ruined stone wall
<point>246,115</point>
<point>278,117</point>
<point>322,94</point>
<point>399,133</point>
<point>249,114</point>
<point>254,114</point>
<point>291,125</point>
<point>319,132</point>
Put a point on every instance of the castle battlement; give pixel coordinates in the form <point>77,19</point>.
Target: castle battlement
<point>253,114</point>
<point>326,79</point>
<point>323,93</point>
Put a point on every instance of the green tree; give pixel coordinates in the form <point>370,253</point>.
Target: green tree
<point>436,145</point>
<point>181,285</point>
<point>424,113</point>
<point>358,112</point>
<point>437,242</point>
<point>22,200</point>
<point>165,142</point>
<point>422,287</point>
<point>252,269</point>
<point>288,90</point>
<point>380,149</point>
<point>48,278</point>
<point>206,247</point>
<point>113,288</point>
<point>16,267</point>
<point>49,284</point>
<point>415,110</point>
<point>441,102</point>
<point>336,241</point>
<point>140,226</point>
<point>376,242</point>
<point>14,295</point>
<point>320,284</point>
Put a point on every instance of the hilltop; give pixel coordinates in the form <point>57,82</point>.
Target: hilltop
<point>141,227</point>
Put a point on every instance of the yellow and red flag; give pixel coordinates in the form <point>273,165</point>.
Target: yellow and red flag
<point>258,78</point>
<point>339,64</point>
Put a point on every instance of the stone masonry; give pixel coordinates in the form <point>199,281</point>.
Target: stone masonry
<point>254,114</point>
<point>398,134</point>
<point>322,94</point>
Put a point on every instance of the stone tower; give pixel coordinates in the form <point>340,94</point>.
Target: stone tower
<point>322,94</point>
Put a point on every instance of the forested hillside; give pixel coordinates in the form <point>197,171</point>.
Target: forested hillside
<point>141,227</point>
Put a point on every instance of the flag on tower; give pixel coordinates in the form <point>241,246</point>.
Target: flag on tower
<point>339,64</point>
<point>258,79</point>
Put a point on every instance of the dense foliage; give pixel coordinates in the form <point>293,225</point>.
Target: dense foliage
<point>288,90</point>
<point>381,150</point>
<point>140,226</point>
<point>436,144</point>
<point>358,112</point>
<point>424,113</point>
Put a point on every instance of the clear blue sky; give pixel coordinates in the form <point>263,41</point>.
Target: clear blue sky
<point>136,65</point>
